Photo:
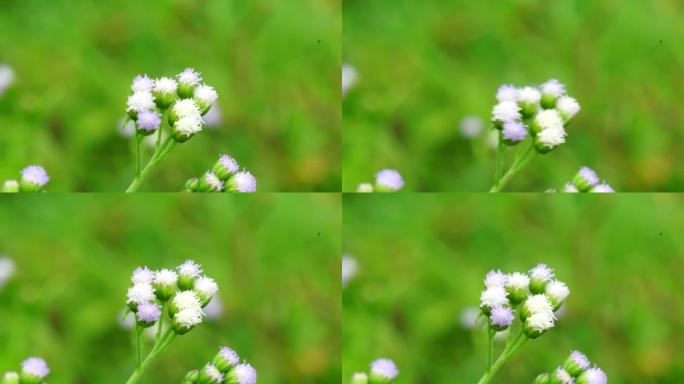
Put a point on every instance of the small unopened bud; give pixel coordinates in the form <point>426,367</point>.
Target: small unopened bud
<point>33,370</point>
<point>10,186</point>
<point>164,284</point>
<point>191,185</point>
<point>225,359</point>
<point>191,377</point>
<point>10,378</point>
<point>359,378</point>
<point>210,375</point>
<point>576,363</point>
<point>225,167</point>
<point>164,92</point>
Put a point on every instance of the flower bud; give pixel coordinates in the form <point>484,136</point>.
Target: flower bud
<point>501,318</point>
<point>225,167</point>
<point>388,180</point>
<point>187,273</point>
<point>205,96</point>
<point>365,188</point>
<point>383,371</point>
<point>205,288</point>
<point>148,122</point>
<point>148,314</point>
<point>33,179</point>
<point>516,286</point>
<point>191,185</point>
<point>359,378</point>
<point>542,379</point>
<point>164,92</point>
<point>186,319</point>
<point>491,298</point>
<point>592,376</point>
<point>585,179</point>
<point>191,377</point>
<point>561,376</point>
<point>209,182</point>
<point>10,186</point>
<point>225,359</point>
<point>551,91</point>
<point>576,363</point>
<point>241,374</point>
<point>537,324</point>
<point>242,182</point>
<point>557,292</point>
<point>210,375</point>
<point>33,370</point>
<point>164,284</point>
<point>528,101</point>
<point>187,82</point>
<point>513,132</point>
<point>10,378</point>
<point>539,277</point>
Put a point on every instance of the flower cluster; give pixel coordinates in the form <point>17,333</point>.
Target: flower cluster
<point>226,368</point>
<point>586,180</point>
<point>181,102</point>
<point>387,180</point>
<point>224,176</point>
<point>34,370</point>
<point>6,270</point>
<point>575,370</point>
<point>540,112</point>
<point>33,179</point>
<point>535,296</point>
<point>183,292</point>
<point>382,371</point>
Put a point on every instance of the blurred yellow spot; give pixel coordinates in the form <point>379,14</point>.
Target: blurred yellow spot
<point>655,360</point>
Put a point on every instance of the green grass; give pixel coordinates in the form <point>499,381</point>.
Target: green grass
<point>276,259</point>
<point>422,259</point>
<point>275,65</point>
<point>423,65</point>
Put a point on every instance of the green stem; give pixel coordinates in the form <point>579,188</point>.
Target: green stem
<point>503,358</point>
<point>158,348</point>
<point>490,335</point>
<point>519,164</point>
<point>138,342</point>
<point>499,159</point>
<point>156,158</point>
<point>160,322</point>
<point>138,155</point>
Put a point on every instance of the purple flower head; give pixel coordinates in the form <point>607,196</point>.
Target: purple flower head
<point>149,120</point>
<point>142,83</point>
<point>502,316</point>
<point>229,163</point>
<point>245,182</point>
<point>142,275</point>
<point>149,312</point>
<point>514,131</point>
<point>580,359</point>
<point>389,179</point>
<point>229,355</point>
<point>589,176</point>
<point>507,92</point>
<point>602,188</point>
<point>495,279</point>
<point>35,174</point>
<point>245,374</point>
<point>35,366</point>
<point>384,368</point>
<point>595,376</point>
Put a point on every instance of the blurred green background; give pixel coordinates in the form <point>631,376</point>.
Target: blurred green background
<point>275,258</point>
<point>275,65</point>
<point>422,260</point>
<point>424,65</point>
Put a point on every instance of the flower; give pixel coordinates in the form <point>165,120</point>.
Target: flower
<point>516,286</point>
<point>537,304</point>
<point>33,178</point>
<point>35,367</point>
<point>186,319</point>
<point>359,378</point>
<point>507,92</point>
<point>189,76</point>
<point>165,85</point>
<point>242,182</point>
<point>142,275</point>
<point>185,108</point>
<point>529,95</point>
<point>349,78</point>
<point>210,374</point>
<point>164,284</point>
<point>142,83</point>
<point>567,107</point>
<point>185,300</point>
<point>138,294</point>
<point>10,186</point>
<point>205,96</point>
<point>548,119</point>
<point>388,180</point>
<point>602,188</point>
<point>513,132</point>
<point>349,268</point>
<point>495,279</point>
<point>506,110</point>
<point>189,268</point>
<point>501,317</point>
<point>576,363</point>
<point>148,121</point>
<point>186,127</point>
<point>384,368</point>
<point>205,288</point>
<point>471,127</point>
<point>592,376</point>
<point>539,276</point>
<point>557,292</point>
<point>242,374</point>
<point>225,167</point>
<point>585,179</point>
<point>493,297</point>
<point>553,88</point>
<point>148,314</point>
<point>538,323</point>
<point>561,376</point>
<point>570,188</point>
<point>209,182</point>
<point>225,359</point>
<point>138,102</point>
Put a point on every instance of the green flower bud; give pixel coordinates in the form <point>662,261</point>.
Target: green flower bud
<point>10,378</point>
<point>210,375</point>
<point>561,376</point>
<point>191,185</point>
<point>542,379</point>
<point>359,378</point>
<point>10,186</point>
<point>191,377</point>
<point>576,363</point>
<point>225,167</point>
<point>225,359</point>
<point>209,182</point>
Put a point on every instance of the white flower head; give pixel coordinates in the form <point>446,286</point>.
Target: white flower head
<point>494,297</point>
<point>140,101</point>
<point>349,268</point>
<point>142,83</point>
<point>206,286</point>
<point>595,376</point>
<point>165,85</point>
<point>495,279</point>
<point>538,304</point>
<point>553,88</point>
<point>549,119</point>
<point>558,290</point>
<point>507,92</point>
<point>506,110</point>
<point>390,179</point>
<point>529,95</point>
<point>186,107</point>
<point>213,373</point>
<point>541,321</point>
<point>142,275</point>
<point>165,277</point>
<point>541,272</point>
<point>580,359</point>
<point>189,317</point>
<point>190,268</point>
<point>244,182</point>
<point>229,163</point>
<point>189,76</point>
<point>140,293</point>
<point>568,106</point>
<point>570,188</point>
<point>517,280</point>
<point>187,300</point>
<point>189,125</point>
<point>552,137</point>
<point>364,188</point>
<point>384,368</point>
<point>206,93</point>
<point>245,374</point>
<point>349,77</point>
<point>229,355</point>
<point>35,366</point>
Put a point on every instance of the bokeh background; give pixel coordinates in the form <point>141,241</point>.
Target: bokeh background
<point>424,65</point>
<point>275,65</point>
<point>422,260</point>
<point>275,258</point>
